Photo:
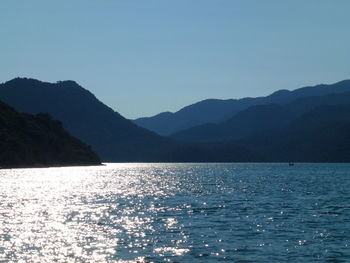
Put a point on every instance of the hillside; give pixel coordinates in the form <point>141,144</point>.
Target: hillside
<point>32,141</point>
<point>215,111</point>
<point>113,137</point>
<point>257,119</point>
<point>320,135</point>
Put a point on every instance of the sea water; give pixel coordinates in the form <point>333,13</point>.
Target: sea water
<point>176,213</point>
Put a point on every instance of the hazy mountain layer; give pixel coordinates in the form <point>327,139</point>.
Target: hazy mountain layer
<point>215,111</point>
<point>320,135</point>
<point>257,119</point>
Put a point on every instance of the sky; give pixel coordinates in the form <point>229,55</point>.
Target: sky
<point>142,57</point>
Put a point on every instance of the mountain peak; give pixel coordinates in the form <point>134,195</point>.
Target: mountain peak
<point>22,80</point>
<point>30,82</point>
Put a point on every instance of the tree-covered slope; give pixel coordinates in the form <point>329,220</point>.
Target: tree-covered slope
<point>37,140</point>
<point>216,111</point>
<point>112,136</point>
<point>258,119</point>
<point>320,135</point>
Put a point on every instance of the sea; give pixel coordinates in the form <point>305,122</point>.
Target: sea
<point>139,212</point>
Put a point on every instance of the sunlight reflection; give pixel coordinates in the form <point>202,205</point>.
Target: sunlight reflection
<point>80,214</point>
<point>173,213</point>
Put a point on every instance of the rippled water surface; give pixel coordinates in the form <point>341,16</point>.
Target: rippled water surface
<point>176,213</point>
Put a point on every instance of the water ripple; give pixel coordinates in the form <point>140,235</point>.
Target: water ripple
<point>176,213</point>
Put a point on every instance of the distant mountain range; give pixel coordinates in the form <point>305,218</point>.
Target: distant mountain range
<point>216,111</point>
<point>112,136</point>
<point>310,124</point>
<point>258,119</point>
<point>306,125</point>
<point>31,141</point>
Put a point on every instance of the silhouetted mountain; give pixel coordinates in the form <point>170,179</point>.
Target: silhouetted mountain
<point>257,119</point>
<point>215,111</point>
<point>247,122</point>
<point>320,135</point>
<point>112,136</point>
<point>29,141</point>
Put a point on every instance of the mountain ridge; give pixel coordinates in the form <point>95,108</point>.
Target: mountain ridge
<point>112,136</point>
<point>258,118</point>
<point>82,114</point>
<point>216,110</point>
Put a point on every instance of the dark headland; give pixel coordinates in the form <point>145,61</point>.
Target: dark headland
<point>39,141</point>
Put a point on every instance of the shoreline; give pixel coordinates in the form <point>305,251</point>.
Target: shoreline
<point>6,167</point>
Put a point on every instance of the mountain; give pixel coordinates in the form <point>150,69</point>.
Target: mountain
<point>306,128</point>
<point>320,135</point>
<point>37,140</point>
<point>216,111</point>
<point>257,119</point>
<point>110,135</point>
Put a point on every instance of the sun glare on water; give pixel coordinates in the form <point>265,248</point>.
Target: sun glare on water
<point>75,214</point>
<point>175,213</point>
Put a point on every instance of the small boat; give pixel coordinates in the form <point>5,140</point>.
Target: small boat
<point>291,164</point>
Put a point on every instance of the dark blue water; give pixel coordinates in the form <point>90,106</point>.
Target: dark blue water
<point>176,213</point>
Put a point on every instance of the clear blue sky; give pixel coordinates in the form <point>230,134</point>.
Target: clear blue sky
<point>142,57</point>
